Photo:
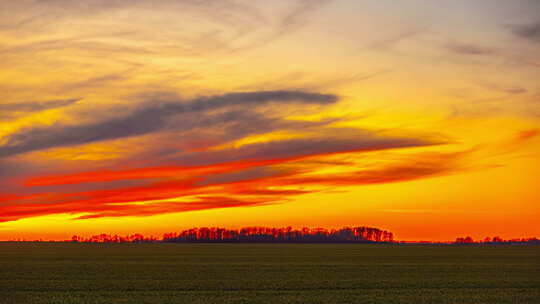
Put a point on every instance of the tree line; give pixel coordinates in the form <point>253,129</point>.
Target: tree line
<point>254,234</point>
<point>496,240</point>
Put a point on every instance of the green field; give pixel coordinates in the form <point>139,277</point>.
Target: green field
<point>267,273</point>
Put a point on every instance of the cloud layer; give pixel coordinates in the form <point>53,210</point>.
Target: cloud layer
<point>215,174</point>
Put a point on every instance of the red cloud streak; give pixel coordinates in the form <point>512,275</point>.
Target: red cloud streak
<point>190,189</point>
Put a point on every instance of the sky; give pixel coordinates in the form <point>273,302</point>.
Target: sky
<point>153,116</point>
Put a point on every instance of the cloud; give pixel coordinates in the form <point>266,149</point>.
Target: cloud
<point>390,174</point>
<point>529,31</point>
<point>519,141</point>
<point>230,162</point>
<point>116,210</point>
<point>223,26</point>
<point>387,43</point>
<point>35,106</point>
<point>294,19</point>
<point>219,186</point>
<point>149,117</point>
<point>202,203</point>
<point>503,88</point>
<point>301,148</point>
<point>526,135</point>
<point>469,49</point>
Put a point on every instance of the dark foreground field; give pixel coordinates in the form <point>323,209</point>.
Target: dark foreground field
<point>267,273</point>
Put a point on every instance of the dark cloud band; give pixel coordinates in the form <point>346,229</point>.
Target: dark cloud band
<point>34,106</point>
<point>149,117</point>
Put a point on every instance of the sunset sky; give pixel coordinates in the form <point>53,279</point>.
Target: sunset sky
<point>152,116</point>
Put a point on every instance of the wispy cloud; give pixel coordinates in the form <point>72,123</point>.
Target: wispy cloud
<point>35,106</point>
<point>470,49</point>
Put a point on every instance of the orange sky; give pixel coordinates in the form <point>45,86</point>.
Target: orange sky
<point>155,116</point>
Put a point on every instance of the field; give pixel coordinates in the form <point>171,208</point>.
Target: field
<point>32,273</point>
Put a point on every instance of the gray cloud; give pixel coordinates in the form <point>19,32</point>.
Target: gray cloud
<point>203,131</point>
<point>469,49</point>
<point>34,106</point>
<point>151,116</point>
<point>506,89</point>
<point>343,140</point>
<point>528,31</point>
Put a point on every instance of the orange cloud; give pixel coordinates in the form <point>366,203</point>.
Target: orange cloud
<point>196,188</point>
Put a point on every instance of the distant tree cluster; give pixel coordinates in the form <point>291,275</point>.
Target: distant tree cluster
<point>496,240</point>
<point>265,234</point>
<point>107,238</point>
<point>283,235</point>
<point>253,234</point>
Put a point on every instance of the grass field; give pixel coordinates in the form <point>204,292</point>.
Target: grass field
<point>267,273</point>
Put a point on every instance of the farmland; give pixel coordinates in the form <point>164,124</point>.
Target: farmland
<point>39,273</point>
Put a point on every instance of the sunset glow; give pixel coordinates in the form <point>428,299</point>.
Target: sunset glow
<point>156,116</point>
